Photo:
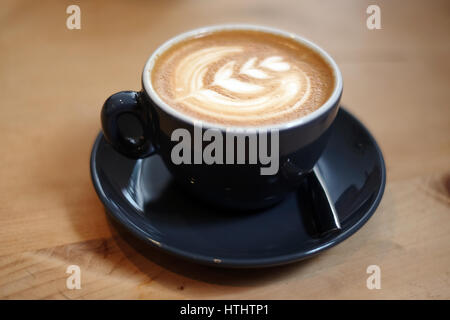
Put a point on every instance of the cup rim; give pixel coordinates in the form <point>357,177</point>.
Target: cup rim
<point>323,109</point>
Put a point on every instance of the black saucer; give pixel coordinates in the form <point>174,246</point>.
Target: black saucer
<point>141,195</point>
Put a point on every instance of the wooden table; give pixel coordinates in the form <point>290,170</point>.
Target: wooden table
<point>53,82</point>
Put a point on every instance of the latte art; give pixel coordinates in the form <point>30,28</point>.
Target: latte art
<point>230,96</point>
<point>240,78</point>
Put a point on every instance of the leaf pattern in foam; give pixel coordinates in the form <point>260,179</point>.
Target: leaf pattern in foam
<point>275,63</point>
<point>223,79</point>
<point>249,69</point>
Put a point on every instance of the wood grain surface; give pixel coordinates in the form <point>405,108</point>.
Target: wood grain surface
<point>53,82</point>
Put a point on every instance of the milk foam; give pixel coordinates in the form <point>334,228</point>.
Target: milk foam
<point>237,83</point>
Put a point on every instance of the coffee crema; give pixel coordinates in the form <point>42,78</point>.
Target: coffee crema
<point>242,78</point>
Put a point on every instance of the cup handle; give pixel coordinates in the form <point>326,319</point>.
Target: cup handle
<point>128,102</point>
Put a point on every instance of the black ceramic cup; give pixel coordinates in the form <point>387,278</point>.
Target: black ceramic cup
<point>240,186</point>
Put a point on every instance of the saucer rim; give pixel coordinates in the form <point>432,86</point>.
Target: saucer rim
<point>114,212</point>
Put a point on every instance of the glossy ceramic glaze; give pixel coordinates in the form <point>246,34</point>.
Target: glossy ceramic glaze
<point>143,197</point>
<point>237,186</point>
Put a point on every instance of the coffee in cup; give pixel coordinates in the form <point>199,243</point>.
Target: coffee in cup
<point>242,78</point>
<point>231,79</point>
